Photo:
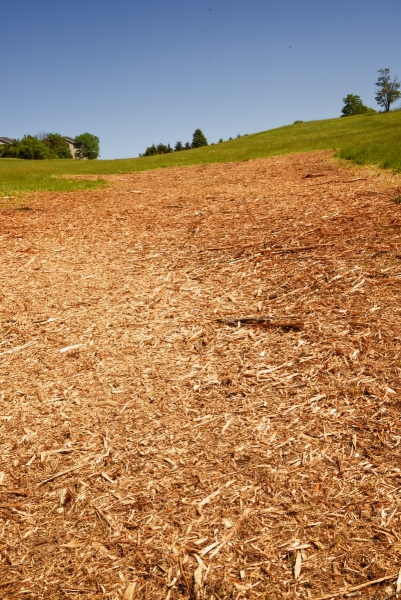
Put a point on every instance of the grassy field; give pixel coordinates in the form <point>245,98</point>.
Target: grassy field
<point>370,139</point>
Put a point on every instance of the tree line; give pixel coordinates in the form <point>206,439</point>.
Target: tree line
<point>50,145</point>
<point>388,92</point>
<point>198,140</point>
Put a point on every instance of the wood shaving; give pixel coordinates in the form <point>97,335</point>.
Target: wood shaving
<point>151,448</point>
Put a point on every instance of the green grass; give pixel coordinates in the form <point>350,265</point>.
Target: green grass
<point>20,176</point>
<point>366,139</point>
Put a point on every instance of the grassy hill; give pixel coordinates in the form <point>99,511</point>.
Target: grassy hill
<point>365,139</point>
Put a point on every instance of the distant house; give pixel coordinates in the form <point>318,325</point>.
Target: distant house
<point>73,146</point>
<point>4,141</point>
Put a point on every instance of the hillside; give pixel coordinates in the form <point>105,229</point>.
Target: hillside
<point>373,139</point>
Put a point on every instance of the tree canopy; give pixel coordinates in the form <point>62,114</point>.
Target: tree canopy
<point>57,144</point>
<point>159,149</point>
<point>50,145</point>
<point>29,148</point>
<point>198,139</point>
<point>388,90</point>
<point>353,105</point>
<point>88,145</point>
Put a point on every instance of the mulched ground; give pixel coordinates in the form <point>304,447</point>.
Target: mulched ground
<point>200,385</point>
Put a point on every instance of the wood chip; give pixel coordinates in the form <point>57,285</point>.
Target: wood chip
<point>180,454</point>
<point>298,565</point>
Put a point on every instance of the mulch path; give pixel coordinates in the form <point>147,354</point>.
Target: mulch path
<point>200,385</point>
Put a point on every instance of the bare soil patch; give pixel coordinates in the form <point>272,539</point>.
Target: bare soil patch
<point>199,384</point>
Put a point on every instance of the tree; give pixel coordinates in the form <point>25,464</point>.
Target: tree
<point>29,148</point>
<point>187,146</point>
<point>150,151</point>
<point>353,105</point>
<point>163,149</point>
<point>32,148</point>
<point>88,145</point>
<point>57,144</point>
<point>388,91</point>
<point>178,147</point>
<point>198,139</point>
<point>37,147</point>
<point>159,149</point>
<point>10,150</point>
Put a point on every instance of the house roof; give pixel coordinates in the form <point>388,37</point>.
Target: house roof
<point>69,139</point>
<point>5,140</point>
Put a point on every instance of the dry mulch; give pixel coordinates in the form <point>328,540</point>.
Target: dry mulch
<point>199,384</point>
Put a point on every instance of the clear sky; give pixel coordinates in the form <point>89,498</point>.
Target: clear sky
<point>136,73</point>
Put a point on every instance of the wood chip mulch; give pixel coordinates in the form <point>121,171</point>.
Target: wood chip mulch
<point>200,385</point>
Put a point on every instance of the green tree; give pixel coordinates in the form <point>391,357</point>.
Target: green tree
<point>388,90</point>
<point>31,148</point>
<point>37,147</point>
<point>178,147</point>
<point>198,139</point>
<point>10,150</point>
<point>88,145</point>
<point>163,149</point>
<point>150,151</point>
<point>159,149</point>
<point>57,144</point>
<point>353,105</point>
<point>187,146</point>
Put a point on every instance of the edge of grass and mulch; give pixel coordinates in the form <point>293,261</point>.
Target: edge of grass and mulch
<point>365,139</point>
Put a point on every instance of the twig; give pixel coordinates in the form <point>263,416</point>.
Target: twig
<point>184,576</point>
<point>296,248</point>
<point>227,248</point>
<point>58,475</point>
<point>355,588</point>
<point>6,583</point>
<point>17,348</point>
<point>104,517</point>
<point>16,492</point>
<point>264,321</point>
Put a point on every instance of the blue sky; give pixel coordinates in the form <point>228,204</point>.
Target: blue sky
<point>136,73</point>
